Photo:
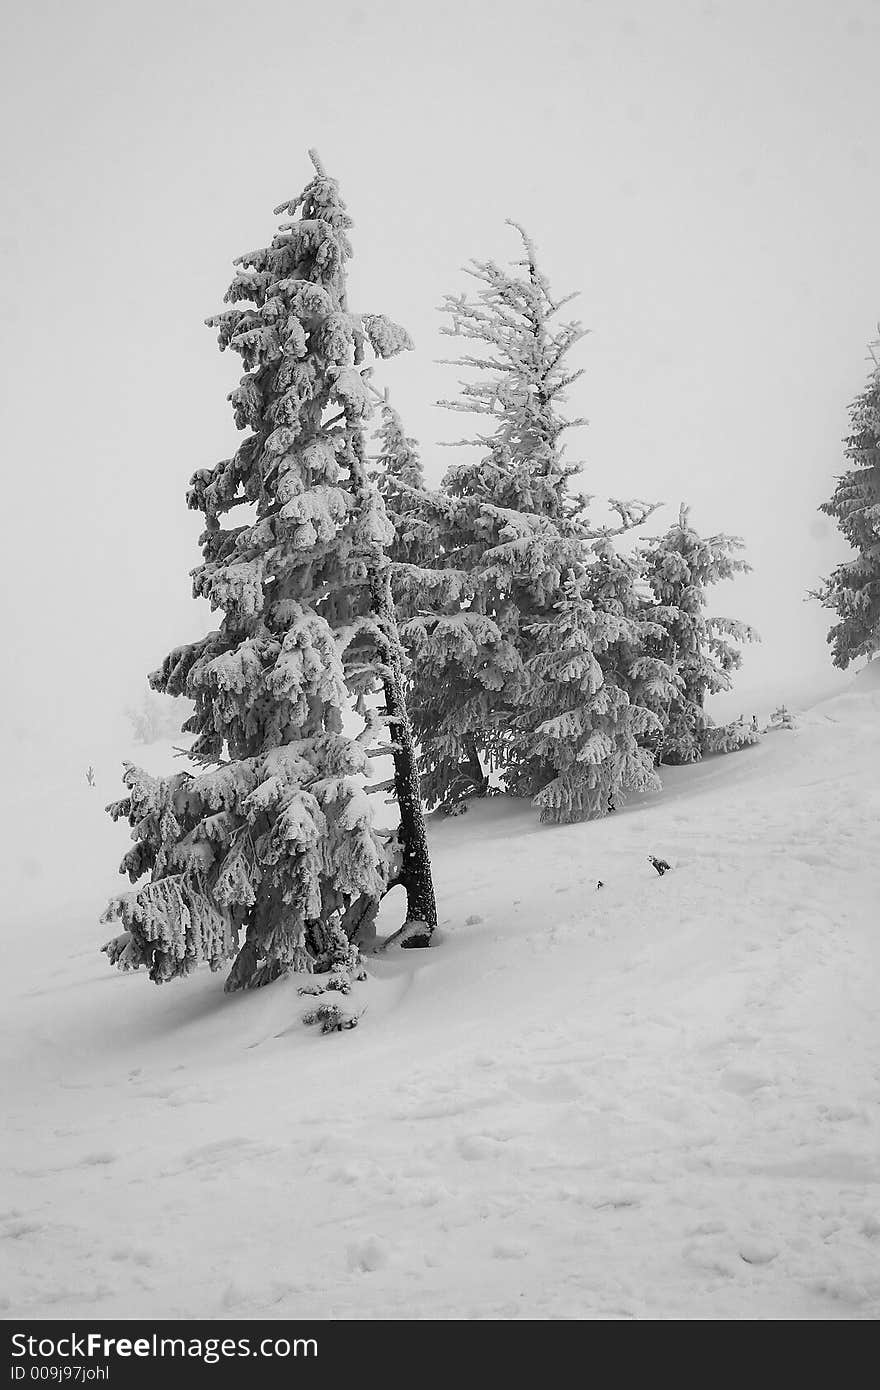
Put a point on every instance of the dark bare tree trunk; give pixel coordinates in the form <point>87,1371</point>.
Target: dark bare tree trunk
<point>472,768</point>
<point>415,874</point>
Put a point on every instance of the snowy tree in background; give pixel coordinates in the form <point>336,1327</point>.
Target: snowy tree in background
<point>274,840</point>
<point>155,717</point>
<point>578,717</point>
<point>400,479</point>
<point>698,649</point>
<point>853,589</point>
<point>507,528</point>
<point>615,585</point>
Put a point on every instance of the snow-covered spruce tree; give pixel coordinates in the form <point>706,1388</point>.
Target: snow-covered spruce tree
<point>507,526</point>
<point>577,714</point>
<point>154,718</point>
<point>615,585</point>
<point>679,567</point>
<point>400,479</point>
<point>853,589</point>
<point>270,853</point>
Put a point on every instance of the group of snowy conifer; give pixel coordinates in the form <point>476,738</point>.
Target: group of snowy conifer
<point>486,627</point>
<point>539,651</point>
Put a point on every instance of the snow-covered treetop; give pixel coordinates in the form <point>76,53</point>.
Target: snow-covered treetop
<point>400,479</point>
<point>684,562</point>
<point>522,377</point>
<point>398,459</point>
<point>514,316</point>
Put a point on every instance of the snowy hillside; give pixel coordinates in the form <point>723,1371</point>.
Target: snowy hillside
<point>654,1099</point>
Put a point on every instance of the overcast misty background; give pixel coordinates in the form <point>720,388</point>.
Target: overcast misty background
<point>706,175</point>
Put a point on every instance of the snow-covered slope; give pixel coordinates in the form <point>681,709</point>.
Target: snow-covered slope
<point>657,1098</point>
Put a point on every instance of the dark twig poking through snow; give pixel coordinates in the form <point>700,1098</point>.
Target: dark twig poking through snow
<point>659,864</point>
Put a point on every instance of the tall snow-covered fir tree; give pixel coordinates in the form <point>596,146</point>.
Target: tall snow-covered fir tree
<point>698,649</point>
<point>269,854</point>
<point>853,589</point>
<point>506,528</point>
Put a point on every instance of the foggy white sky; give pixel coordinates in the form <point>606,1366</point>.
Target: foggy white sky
<point>706,174</point>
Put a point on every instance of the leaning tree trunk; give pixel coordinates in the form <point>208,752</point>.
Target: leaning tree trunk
<point>472,768</point>
<point>415,874</point>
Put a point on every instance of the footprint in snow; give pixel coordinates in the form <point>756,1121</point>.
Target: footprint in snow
<point>347,1173</point>
<point>233,1296</point>
<point>757,1253</point>
<point>835,1114</point>
<point>366,1256</point>
<point>743,1082</point>
<point>475,1147</point>
<point>549,1090</point>
<point>14,1230</point>
<point>621,1201</point>
<point>223,1151</point>
<point>714,1256</point>
<point>125,1254</point>
<point>509,1250</point>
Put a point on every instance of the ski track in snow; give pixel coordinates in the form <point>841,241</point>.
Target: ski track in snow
<point>654,1100</point>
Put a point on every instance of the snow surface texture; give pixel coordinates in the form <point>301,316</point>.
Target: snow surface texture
<point>657,1100</point>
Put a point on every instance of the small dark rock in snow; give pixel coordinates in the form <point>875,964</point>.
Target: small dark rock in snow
<point>659,864</point>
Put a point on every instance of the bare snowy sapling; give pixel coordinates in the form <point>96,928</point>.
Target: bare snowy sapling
<point>332,1018</point>
<point>781,718</point>
<point>269,854</point>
